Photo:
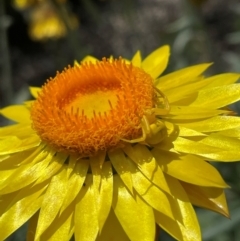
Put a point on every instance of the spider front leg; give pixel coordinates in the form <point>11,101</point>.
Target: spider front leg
<point>151,133</point>
<point>145,131</point>
<point>158,111</point>
<point>166,109</point>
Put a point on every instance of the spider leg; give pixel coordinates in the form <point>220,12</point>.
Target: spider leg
<point>145,130</point>
<point>166,110</point>
<point>158,111</point>
<point>132,124</point>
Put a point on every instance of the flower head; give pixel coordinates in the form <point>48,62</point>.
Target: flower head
<point>109,149</point>
<point>93,107</point>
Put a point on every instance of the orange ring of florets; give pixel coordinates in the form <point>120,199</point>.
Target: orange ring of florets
<point>74,131</point>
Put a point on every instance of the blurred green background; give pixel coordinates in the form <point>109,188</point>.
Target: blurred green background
<point>39,37</point>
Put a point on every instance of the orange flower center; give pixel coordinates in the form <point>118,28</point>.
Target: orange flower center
<point>92,107</point>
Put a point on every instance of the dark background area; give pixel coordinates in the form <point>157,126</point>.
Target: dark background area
<point>197,31</point>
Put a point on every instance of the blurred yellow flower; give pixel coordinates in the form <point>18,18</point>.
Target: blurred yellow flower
<point>109,149</point>
<point>45,23</point>
<point>22,4</point>
<point>44,20</point>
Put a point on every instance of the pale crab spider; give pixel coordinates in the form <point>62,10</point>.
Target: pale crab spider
<point>150,124</point>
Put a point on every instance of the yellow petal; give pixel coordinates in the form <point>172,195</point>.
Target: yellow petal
<point>223,142</point>
<point>235,132</point>
<point>76,63</point>
<point>26,174</point>
<point>183,227</point>
<point>20,130</point>
<point>14,161</point>
<point>28,103</point>
<point>189,224</point>
<point>180,130</point>
<point>89,58</point>
<point>229,146</point>
<point>32,226</point>
<point>54,166</point>
<point>2,158</point>
<point>190,228</point>
<point>125,60</point>
<point>183,131</point>
<point>24,205</point>
<point>191,112</point>
<point>156,62</point>
<point>147,164</point>
<point>38,154</point>
<point>86,219</point>
<point>12,144</point>
<point>34,91</point>
<point>75,182</point>
<point>169,225</point>
<point>22,177</point>
<point>218,97</point>
<point>9,143</point>
<point>72,161</point>
<point>183,91</point>
<point>222,79</point>
<point>95,163</point>
<point>181,77</point>
<point>224,156</point>
<point>105,194</point>
<point>112,230</point>
<point>202,173</point>
<point>176,94</point>
<point>61,227</point>
<point>120,164</point>
<point>18,113</point>
<point>96,175</point>
<point>4,175</point>
<point>217,123</point>
<point>207,197</point>
<point>135,216</point>
<point>7,200</point>
<point>193,147</point>
<point>149,192</point>
<point>137,59</point>
<point>25,133</point>
<point>52,202</point>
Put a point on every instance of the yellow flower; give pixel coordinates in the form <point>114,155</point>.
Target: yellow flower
<point>46,23</point>
<point>108,150</point>
<point>23,4</point>
<point>44,20</point>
